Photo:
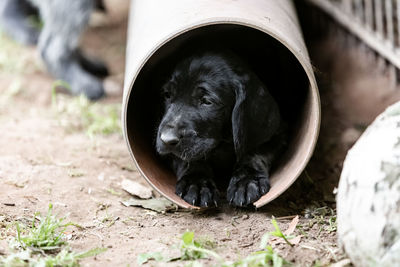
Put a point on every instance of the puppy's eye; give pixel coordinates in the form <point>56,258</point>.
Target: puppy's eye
<point>167,95</point>
<point>205,101</point>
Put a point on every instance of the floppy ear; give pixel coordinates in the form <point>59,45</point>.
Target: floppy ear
<point>255,116</point>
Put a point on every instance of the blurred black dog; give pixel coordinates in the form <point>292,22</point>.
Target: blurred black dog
<point>58,41</point>
<point>220,124</point>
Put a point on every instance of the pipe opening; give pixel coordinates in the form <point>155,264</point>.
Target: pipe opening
<point>273,63</point>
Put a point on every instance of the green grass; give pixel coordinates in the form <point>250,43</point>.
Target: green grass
<point>192,250</point>
<point>26,62</point>
<point>145,257</point>
<point>80,114</point>
<point>266,257</point>
<point>43,243</point>
<point>323,216</point>
<point>278,233</point>
<point>65,258</point>
<point>48,234</point>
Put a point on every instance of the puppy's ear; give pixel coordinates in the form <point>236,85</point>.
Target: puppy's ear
<point>255,116</point>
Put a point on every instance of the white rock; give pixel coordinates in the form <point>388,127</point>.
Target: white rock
<point>368,200</point>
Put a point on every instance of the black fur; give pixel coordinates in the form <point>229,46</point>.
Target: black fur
<point>220,123</point>
<point>58,41</point>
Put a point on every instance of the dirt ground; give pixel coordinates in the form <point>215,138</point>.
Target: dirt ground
<point>44,161</point>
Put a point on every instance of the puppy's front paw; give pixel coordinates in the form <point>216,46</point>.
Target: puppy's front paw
<point>198,191</point>
<point>245,189</point>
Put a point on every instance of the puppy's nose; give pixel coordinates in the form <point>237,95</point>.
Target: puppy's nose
<point>169,137</point>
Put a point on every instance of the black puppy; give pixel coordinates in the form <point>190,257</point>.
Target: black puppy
<point>58,41</point>
<point>220,123</point>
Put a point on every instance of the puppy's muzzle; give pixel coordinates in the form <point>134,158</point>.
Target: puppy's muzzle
<point>170,136</point>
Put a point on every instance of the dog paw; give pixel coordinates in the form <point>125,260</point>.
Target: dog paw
<point>95,90</point>
<point>198,191</point>
<point>85,83</point>
<point>244,190</point>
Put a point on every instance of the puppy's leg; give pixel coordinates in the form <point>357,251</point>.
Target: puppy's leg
<point>250,179</point>
<point>15,20</point>
<point>195,184</point>
<point>64,22</point>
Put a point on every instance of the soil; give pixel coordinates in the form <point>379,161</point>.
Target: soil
<point>39,158</point>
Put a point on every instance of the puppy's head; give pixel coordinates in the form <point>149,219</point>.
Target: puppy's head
<point>211,98</point>
<point>198,104</point>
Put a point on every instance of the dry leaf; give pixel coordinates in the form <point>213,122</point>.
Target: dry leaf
<point>136,189</point>
<point>292,226</point>
<point>157,204</point>
<point>296,240</point>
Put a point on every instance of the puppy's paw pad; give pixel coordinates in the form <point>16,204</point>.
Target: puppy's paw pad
<point>244,191</point>
<point>198,192</point>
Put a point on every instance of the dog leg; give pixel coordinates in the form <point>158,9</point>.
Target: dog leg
<point>64,22</point>
<point>195,184</point>
<point>250,180</point>
<point>15,21</point>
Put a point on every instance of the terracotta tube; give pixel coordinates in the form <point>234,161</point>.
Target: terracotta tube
<point>266,33</point>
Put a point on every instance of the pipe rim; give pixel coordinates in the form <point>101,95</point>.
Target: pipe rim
<point>313,88</point>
